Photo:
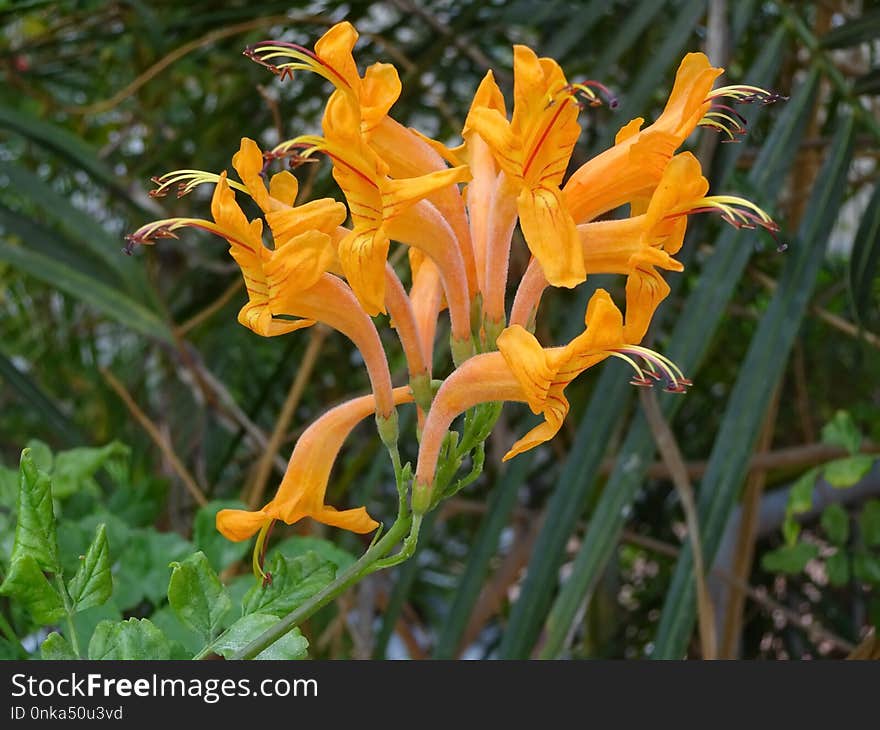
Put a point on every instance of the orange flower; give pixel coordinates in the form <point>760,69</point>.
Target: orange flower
<point>302,490</point>
<point>291,280</point>
<point>533,150</point>
<point>631,169</point>
<point>523,371</point>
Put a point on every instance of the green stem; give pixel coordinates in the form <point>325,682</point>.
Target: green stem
<point>68,608</point>
<point>350,576</point>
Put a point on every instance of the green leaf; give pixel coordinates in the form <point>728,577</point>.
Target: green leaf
<point>690,340</point>
<point>131,639</point>
<point>846,472</point>
<point>789,558</point>
<point>29,586</point>
<point>73,467</point>
<point>866,568</point>
<point>220,551</point>
<point>55,647</point>
<point>35,530</point>
<point>41,455</point>
<point>864,28</point>
<point>93,585</point>
<point>842,431</point>
<point>869,523</point>
<point>112,302</point>
<point>298,545</point>
<point>835,522</point>
<point>800,498</point>
<point>838,569</point>
<point>293,645</point>
<point>791,529</point>
<point>42,404</point>
<point>864,260</point>
<point>143,566</point>
<point>197,595</point>
<point>293,581</point>
<point>768,355</point>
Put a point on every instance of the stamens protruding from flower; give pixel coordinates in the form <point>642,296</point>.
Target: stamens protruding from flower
<point>297,151</point>
<point>654,368</point>
<point>259,557</point>
<point>148,235</point>
<point>187,181</point>
<point>745,94</point>
<point>304,59</point>
<point>723,118</point>
<point>586,88</point>
<point>738,212</point>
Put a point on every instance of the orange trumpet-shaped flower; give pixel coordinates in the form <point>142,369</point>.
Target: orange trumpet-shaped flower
<point>533,150</point>
<point>383,208</point>
<point>523,371</point>
<point>632,168</point>
<point>634,246</point>
<point>332,58</point>
<point>302,490</point>
<point>291,280</point>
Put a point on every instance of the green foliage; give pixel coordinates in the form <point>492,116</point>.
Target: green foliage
<point>197,595</point>
<point>93,585</point>
<point>292,645</point>
<point>89,534</point>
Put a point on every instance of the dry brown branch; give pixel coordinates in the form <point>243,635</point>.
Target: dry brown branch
<point>668,448</point>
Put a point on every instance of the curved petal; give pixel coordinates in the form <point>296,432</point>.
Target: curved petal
<point>239,524</point>
<point>551,235</point>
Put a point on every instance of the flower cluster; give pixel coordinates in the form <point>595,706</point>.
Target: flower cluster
<point>456,209</point>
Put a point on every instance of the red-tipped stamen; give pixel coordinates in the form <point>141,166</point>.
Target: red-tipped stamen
<point>586,87</point>
<point>655,368</point>
<point>304,59</point>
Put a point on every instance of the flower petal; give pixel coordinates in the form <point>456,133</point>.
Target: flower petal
<point>551,235</point>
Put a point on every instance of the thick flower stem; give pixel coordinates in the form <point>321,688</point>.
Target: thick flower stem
<point>346,579</point>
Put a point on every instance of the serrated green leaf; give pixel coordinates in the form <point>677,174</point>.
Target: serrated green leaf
<point>866,568</point>
<point>197,595</point>
<point>293,581</point>
<point>838,569</point>
<point>842,431</point>
<point>846,472</point>
<point>26,583</point>
<point>220,551</point>
<point>56,648</point>
<point>835,522</point>
<point>869,523</point>
<point>73,467</point>
<point>790,558</point>
<point>92,584</point>
<point>293,645</point>
<point>131,639</point>
<point>35,529</point>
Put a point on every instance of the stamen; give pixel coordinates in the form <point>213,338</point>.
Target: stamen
<point>259,556</point>
<point>745,94</point>
<point>303,60</point>
<point>187,181</point>
<point>298,151</point>
<point>586,87</point>
<point>656,368</point>
<point>736,211</point>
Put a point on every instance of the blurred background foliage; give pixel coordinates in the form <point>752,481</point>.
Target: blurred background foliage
<point>576,550</point>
